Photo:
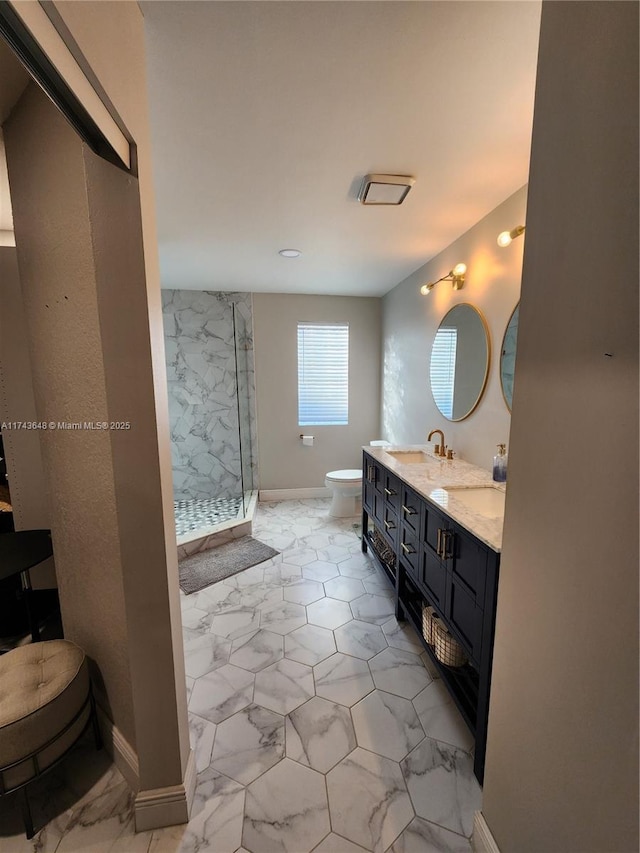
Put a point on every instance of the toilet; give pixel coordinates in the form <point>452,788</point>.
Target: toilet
<point>346,488</point>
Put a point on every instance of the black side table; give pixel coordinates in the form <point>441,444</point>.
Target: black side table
<point>19,552</point>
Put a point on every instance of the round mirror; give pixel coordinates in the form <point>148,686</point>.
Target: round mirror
<point>508,357</point>
<point>460,362</point>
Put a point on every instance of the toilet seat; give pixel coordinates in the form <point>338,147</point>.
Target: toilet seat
<point>348,475</point>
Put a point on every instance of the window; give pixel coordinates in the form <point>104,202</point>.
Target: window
<point>323,374</point>
<point>443,369</point>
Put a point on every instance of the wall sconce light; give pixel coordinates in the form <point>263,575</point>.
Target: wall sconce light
<point>505,237</point>
<point>455,276</point>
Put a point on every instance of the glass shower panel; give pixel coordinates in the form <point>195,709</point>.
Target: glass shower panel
<point>245,379</point>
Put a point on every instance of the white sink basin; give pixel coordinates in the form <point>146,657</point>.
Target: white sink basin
<point>486,500</point>
<point>409,457</point>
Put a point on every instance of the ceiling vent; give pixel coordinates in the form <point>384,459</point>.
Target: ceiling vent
<point>385,189</point>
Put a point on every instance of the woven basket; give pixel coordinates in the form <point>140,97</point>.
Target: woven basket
<point>447,649</point>
<point>384,551</point>
<point>429,619</point>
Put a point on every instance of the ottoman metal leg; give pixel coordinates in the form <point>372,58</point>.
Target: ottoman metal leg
<point>94,721</point>
<point>26,812</point>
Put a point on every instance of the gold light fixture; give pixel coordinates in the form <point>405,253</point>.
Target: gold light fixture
<point>505,237</point>
<point>455,276</point>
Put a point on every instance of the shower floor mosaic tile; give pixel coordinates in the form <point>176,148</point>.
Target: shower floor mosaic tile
<point>316,720</point>
<point>204,512</point>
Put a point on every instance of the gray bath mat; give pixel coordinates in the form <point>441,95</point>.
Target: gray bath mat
<point>214,565</point>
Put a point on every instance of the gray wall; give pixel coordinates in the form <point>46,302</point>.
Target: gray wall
<point>204,378</point>
<point>410,321</point>
<point>283,462</point>
<point>562,757</point>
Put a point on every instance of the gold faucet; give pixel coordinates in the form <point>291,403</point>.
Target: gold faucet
<point>440,449</point>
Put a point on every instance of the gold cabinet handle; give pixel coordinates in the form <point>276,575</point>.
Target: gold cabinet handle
<point>439,543</point>
<point>389,525</point>
<point>390,492</point>
<point>447,553</point>
<point>408,510</point>
<point>407,548</point>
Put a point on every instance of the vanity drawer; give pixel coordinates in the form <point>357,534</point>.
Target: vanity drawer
<point>391,490</point>
<point>390,526</point>
<point>410,511</point>
<point>465,617</point>
<point>373,472</point>
<point>409,551</point>
<point>433,577</point>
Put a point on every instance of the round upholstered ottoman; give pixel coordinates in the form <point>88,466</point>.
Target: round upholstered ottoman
<point>45,705</point>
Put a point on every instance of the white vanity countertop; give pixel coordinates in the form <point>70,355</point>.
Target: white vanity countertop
<point>432,477</point>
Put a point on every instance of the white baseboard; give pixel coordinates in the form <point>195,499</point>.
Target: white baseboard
<point>123,754</point>
<point>482,840</point>
<point>166,806</point>
<point>154,808</point>
<point>293,494</point>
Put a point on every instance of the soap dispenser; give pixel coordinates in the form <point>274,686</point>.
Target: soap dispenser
<point>500,464</point>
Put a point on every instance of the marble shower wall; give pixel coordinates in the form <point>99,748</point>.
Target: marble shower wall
<point>204,375</point>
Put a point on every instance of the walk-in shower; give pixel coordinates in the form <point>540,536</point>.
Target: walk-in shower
<point>210,376</point>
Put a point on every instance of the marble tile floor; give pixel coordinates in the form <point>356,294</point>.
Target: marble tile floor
<point>316,719</point>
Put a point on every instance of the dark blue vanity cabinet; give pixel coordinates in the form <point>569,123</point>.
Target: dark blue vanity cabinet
<point>436,561</point>
<point>380,500</point>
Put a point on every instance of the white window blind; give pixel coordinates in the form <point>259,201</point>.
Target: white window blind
<point>443,369</point>
<point>323,374</point>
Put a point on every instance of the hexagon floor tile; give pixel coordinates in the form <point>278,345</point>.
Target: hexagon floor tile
<point>400,635</point>
<point>248,743</point>
<point>337,844</point>
<point>344,589</point>
<point>320,570</point>
<point>284,686</point>
<point>304,591</point>
<point>357,787</point>
<point>319,734</point>
<point>424,837</point>
<point>359,566</point>
<point>218,810</point>
<point>343,679</point>
<point>219,694</point>
<point>204,653</point>
<point>235,622</point>
<point>201,735</point>
<point>442,786</point>
<point>373,608</point>
<point>257,651</point>
<point>360,639</point>
<point>283,617</point>
<point>387,724</point>
<point>328,613</point>
<point>440,718</point>
<point>402,673</point>
<point>286,810</point>
<point>309,644</point>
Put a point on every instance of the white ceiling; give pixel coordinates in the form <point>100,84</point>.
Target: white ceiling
<point>266,115</point>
